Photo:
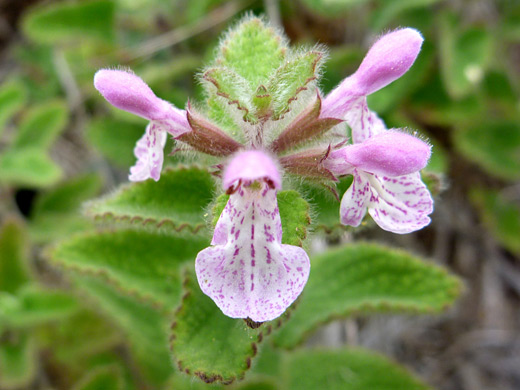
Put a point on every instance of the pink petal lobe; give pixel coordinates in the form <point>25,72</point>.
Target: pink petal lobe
<point>249,166</point>
<point>391,153</point>
<point>388,59</point>
<point>128,92</point>
<point>150,154</point>
<point>400,204</point>
<point>248,272</point>
<point>354,202</point>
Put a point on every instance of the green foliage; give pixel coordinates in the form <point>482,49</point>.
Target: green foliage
<point>387,11</point>
<point>17,360</point>
<point>294,213</point>
<point>56,212</point>
<point>12,98</point>
<point>14,272</point>
<point>494,145</point>
<point>291,78</point>
<point>365,278</point>
<point>332,8</point>
<point>41,125</point>
<point>501,217</point>
<point>206,342</point>
<point>346,369</point>
<point>30,167</point>
<point>66,21</point>
<point>115,139</point>
<point>33,306</point>
<point>139,263</point>
<point>177,201</point>
<point>144,327</point>
<point>253,50</point>
<point>464,56</point>
<point>101,378</point>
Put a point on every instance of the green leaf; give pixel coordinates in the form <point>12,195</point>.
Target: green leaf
<point>145,328</point>
<point>464,56</point>
<point>494,145</point>
<point>14,271</point>
<point>34,306</point>
<point>294,213</point>
<point>291,78</point>
<point>233,88</point>
<point>115,139</point>
<point>501,216</point>
<point>66,21</point>
<point>346,369</point>
<point>253,50</point>
<point>209,344</point>
<point>387,11</point>
<point>17,360</point>
<point>139,263</point>
<point>41,125</point>
<point>365,278</point>
<point>332,8</point>
<point>29,167</point>
<point>12,98</point>
<point>176,201</point>
<point>101,378</point>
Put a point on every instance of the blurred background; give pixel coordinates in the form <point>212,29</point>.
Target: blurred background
<point>61,144</point>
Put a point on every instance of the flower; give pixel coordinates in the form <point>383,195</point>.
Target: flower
<point>247,271</point>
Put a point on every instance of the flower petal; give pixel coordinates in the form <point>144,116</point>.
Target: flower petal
<point>354,202</point>
<point>149,153</point>
<point>250,273</point>
<point>388,59</point>
<point>128,92</point>
<point>249,166</point>
<point>391,153</point>
<point>400,204</point>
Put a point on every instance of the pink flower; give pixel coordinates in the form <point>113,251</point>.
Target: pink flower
<point>247,271</point>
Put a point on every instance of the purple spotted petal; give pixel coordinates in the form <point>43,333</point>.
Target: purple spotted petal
<point>388,59</point>
<point>391,153</point>
<point>400,204</point>
<point>248,272</point>
<point>149,153</point>
<point>128,92</point>
<point>249,166</point>
<point>354,202</point>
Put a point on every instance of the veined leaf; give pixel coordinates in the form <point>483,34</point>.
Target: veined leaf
<point>346,369</point>
<point>365,278</point>
<point>139,263</point>
<point>176,201</point>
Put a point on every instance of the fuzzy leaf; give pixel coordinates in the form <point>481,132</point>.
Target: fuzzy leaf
<point>144,327</point>
<point>176,201</point>
<point>291,78</point>
<point>41,125</point>
<point>253,50</point>
<point>140,263</point>
<point>33,306</point>
<point>501,216</point>
<point>14,271</point>
<point>365,278</point>
<point>346,369</point>
<point>233,88</point>
<point>12,98</point>
<point>495,146</point>
<point>29,167</point>
<point>63,22</point>
<point>115,139</point>
<point>209,344</point>
<point>294,213</point>
<point>17,360</point>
